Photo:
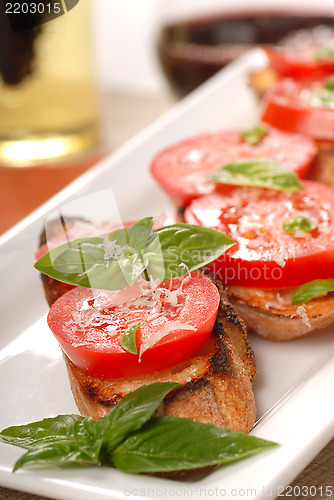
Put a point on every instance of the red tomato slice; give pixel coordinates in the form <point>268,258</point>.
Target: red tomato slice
<point>300,62</point>
<point>287,107</point>
<point>88,325</point>
<point>181,169</point>
<point>264,255</point>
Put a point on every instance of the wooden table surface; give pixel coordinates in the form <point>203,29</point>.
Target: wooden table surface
<point>23,190</point>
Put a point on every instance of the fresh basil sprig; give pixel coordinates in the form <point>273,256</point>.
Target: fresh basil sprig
<point>257,172</point>
<point>128,339</point>
<point>299,223</point>
<point>129,438</point>
<point>113,262</point>
<point>255,134</point>
<point>311,290</point>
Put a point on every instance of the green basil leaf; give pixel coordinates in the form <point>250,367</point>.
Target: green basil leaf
<point>170,444</point>
<point>133,237</point>
<point>132,267</point>
<point>299,223</point>
<point>128,339</point>
<point>187,247</point>
<point>258,172</point>
<point>74,440</point>
<point>311,290</point>
<point>60,441</point>
<point>98,262</point>
<point>127,253</point>
<point>27,435</point>
<point>82,262</point>
<point>329,85</point>
<point>324,53</point>
<point>58,453</point>
<point>254,134</point>
<point>131,413</point>
<point>88,437</point>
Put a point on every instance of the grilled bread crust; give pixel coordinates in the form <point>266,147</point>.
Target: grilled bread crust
<point>217,381</point>
<point>268,316</point>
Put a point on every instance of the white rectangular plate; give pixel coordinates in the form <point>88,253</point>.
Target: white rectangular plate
<point>295,382</point>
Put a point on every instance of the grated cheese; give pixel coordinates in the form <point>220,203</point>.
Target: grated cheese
<point>112,250</point>
<point>301,311</point>
<point>279,260</point>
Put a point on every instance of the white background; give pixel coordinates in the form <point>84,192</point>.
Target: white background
<point>125,36</point>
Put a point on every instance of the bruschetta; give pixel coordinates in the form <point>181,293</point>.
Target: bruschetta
<point>284,240</point>
<point>203,344</point>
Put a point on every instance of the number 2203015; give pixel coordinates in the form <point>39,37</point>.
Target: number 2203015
<point>305,491</point>
<point>33,8</point>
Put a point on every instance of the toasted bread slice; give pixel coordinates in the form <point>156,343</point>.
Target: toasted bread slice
<point>269,313</point>
<point>217,381</point>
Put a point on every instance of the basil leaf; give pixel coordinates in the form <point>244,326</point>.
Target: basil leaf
<point>299,223</point>
<point>27,435</point>
<point>128,339</point>
<point>134,239</point>
<point>74,440</point>
<point>58,441</point>
<point>127,253</point>
<point>130,439</point>
<point>324,53</point>
<point>58,453</point>
<point>170,444</point>
<point>311,290</point>
<point>254,134</point>
<point>93,262</point>
<point>82,262</point>
<point>131,413</point>
<point>186,247</point>
<point>259,172</point>
<point>330,82</point>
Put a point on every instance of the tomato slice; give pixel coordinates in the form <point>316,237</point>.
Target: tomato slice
<point>301,62</point>
<point>264,255</point>
<point>181,169</point>
<point>176,319</point>
<point>287,106</point>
